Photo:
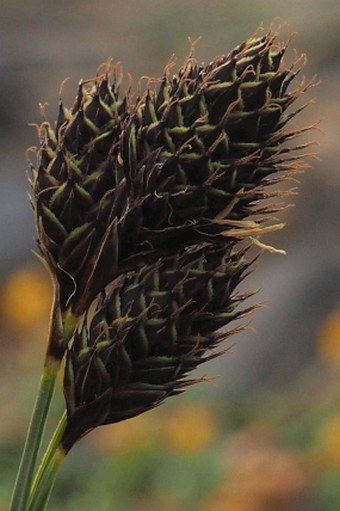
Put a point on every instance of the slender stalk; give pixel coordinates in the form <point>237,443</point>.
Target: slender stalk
<point>59,334</point>
<point>34,435</point>
<point>46,482</point>
<point>48,456</point>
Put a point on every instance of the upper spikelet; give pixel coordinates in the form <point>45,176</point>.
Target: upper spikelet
<point>119,185</point>
<point>203,147</point>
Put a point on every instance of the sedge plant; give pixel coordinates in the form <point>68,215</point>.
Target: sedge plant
<point>145,211</point>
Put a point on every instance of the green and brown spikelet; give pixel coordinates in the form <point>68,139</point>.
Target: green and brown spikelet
<point>147,332</point>
<point>119,184</point>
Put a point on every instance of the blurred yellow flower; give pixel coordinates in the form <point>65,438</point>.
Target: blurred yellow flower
<point>328,340</point>
<point>329,443</point>
<point>158,500</point>
<point>134,434</point>
<point>189,429</point>
<point>222,500</point>
<point>260,476</point>
<point>25,299</point>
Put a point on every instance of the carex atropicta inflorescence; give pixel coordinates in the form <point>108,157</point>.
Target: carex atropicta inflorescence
<point>143,209</point>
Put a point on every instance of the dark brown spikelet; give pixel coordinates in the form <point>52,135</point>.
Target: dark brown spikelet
<point>148,331</point>
<point>75,177</point>
<point>202,148</point>
<point>117,187</point>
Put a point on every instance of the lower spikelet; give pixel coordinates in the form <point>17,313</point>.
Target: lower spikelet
<point>147,332</point>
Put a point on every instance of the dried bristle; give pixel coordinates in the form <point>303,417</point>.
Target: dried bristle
<point>148,331</point>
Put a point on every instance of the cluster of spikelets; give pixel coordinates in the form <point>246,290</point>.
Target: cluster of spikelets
<point>145,209</point>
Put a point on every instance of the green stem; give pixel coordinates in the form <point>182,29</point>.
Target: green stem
<point>46,482</point>
<point>48,456</point>
<point>34,435</point>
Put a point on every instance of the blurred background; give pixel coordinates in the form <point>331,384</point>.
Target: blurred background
<point>264,436</point>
